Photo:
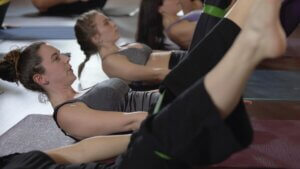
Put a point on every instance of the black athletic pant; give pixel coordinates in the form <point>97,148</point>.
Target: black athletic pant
<point>189,130</point>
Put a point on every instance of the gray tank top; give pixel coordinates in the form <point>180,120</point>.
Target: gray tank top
<point>137,55</point>
<point>113,95</point>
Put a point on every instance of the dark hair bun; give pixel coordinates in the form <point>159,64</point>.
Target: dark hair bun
<point>8,66</point>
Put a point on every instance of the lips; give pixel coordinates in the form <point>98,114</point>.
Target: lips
<point>69,69</point>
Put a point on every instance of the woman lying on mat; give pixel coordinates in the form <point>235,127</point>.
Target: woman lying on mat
<point>163,27</point>
<point>98,111</point>
<point>96,33</point>
<point>197,122</point>
<point>67,7</point>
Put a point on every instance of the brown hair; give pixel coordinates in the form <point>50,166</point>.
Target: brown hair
<point>84,30</point>
<point>20,65</point>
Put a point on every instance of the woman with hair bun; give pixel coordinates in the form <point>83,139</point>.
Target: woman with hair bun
<point>101,110</point>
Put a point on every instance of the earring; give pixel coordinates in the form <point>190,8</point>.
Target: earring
<point>43,98</point>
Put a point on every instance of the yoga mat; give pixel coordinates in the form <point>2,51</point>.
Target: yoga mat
<point>34,132</point>
<point>276,144</point>
<point>273,85</point>
<point>37,33</point>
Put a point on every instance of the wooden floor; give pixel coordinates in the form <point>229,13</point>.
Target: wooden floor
<point>274,110</point>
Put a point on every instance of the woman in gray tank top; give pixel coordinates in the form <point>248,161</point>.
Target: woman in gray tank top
<point>96,33</point>
<point>100,111</point>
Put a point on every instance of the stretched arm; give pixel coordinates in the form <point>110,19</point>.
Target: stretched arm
<point>82,122</point>
<point>43,5</point>
<point>182,33</point>
<point>91,149</point>
<point>121,67</point>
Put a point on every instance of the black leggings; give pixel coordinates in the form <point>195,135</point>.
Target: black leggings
<point>176,57</point>
<point>189,130</point>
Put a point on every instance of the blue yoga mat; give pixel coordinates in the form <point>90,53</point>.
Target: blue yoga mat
<point>273,85</point>
<point>37,33</point>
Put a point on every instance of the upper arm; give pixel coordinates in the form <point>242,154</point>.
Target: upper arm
<point>182,33</point>
<point>81,121</point>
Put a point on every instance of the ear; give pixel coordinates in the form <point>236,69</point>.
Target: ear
<point>96,39</point>
<point>40,79</point>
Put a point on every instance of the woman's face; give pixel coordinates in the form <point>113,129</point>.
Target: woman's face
<point>106,28</point>
<point>57,67</point>
<point>170,6</point>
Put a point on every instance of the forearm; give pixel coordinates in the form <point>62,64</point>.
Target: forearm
<point>91,149</point>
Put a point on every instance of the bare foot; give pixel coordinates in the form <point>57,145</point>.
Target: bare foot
<point>264,22</point>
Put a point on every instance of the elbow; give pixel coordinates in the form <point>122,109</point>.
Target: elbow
<point>182,39</point>
<point>40,5</point>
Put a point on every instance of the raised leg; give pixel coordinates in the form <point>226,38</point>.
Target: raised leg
<point>192,128</point>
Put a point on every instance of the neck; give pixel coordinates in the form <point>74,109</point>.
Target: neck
<point>108,49</point>
<point>60,95</point>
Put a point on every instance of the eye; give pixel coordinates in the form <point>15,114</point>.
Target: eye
<point>68,54</point>
<point>57,58</point>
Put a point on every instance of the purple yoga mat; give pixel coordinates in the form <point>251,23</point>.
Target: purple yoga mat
<point>276,144</point>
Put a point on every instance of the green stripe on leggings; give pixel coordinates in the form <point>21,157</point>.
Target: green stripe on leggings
<point>162,155</point>
<point>158,103</point>
<point>214,11</point>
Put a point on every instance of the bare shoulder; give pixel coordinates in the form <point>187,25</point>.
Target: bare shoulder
<point>71,108</point>
<point>134,45</point>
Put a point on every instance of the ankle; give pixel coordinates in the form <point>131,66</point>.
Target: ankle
<point>250,52</point>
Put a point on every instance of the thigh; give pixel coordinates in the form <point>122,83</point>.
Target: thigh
<point>204,56</point>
